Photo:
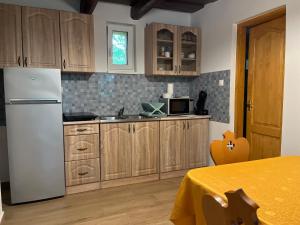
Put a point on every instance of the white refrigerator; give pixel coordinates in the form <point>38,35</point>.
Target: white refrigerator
<point>33,105</point>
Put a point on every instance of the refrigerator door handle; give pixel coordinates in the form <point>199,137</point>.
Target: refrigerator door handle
<point>33,101</point>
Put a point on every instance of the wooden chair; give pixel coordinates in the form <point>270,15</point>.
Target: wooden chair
<point>239,210</point>
<point>230,149</point>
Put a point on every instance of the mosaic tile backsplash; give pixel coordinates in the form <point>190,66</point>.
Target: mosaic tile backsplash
<point>218,97</point>
<point>105,94</point>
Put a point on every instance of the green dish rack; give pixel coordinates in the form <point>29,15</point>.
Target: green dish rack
<point>153,109</point>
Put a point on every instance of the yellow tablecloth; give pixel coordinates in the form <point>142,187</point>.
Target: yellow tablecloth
<point>274,184</point>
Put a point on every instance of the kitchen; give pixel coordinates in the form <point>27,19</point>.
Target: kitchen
<point>99,164</point>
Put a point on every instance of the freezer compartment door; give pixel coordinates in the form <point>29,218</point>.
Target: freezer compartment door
<point>25,83</point>
<point>35,149</point>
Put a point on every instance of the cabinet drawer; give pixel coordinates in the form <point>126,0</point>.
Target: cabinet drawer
<point>81,129</point>
<point>81,147</point>
<point>82,172</point>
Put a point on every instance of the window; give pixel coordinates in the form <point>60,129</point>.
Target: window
<point>120,48</point>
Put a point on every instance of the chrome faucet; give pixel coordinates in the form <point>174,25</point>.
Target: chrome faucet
<point>121,112</point>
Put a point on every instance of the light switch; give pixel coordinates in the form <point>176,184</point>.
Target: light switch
<point>221,83</point>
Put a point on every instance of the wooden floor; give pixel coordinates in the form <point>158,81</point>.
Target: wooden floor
<point>139,204</point>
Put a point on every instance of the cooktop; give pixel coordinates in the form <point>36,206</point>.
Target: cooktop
<point>78,116</point>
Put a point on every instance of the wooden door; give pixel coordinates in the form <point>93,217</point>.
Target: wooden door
<point>265,88</point>
<point>41,38</point>
<point>77,42</point>
<point>189,51</point>
<point>159,37</point>
<point>116,145</point>
<point>172,145</point>
<point>145,148</point>
<point>197,143</point>
<point>10,36</point>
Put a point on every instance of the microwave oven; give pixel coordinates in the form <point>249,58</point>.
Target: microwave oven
<point>177,106</point>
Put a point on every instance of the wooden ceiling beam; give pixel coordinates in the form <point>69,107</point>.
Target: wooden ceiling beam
<point>180,6</point>
<point>88,6</point>
<point>142,7</point>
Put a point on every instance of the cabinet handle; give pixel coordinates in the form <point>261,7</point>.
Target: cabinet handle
<point>81,130</point>
<point>179,69</point>
<point>19,60</point>
<point>82,149</point>
<point>82,174</point>
<point>128,128</point>
<point>133,128</point>
<point>188,125</point>
<point>184,125</point>
<point>25,62</point>
<point>64,64</point>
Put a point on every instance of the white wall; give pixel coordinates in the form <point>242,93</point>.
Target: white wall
<point>106,12</point>
<point>218,25</point>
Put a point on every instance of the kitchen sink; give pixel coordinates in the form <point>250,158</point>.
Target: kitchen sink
<point>121,118</point>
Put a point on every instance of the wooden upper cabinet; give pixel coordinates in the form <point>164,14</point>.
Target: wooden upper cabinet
<point>189,51</point>
<point>145,154</point>
<point>197,146</point>
<point>10,36</point>
<point>41,38</point>
<point>116,146</point>
<point>161,49</point>
<point>77,42</point>
<point>172,50</point>
<point>172,145</point>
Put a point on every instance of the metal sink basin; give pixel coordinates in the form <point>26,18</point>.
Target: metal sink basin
<point>122,118</point>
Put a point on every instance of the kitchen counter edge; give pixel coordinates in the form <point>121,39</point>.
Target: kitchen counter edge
<point>98,121</point>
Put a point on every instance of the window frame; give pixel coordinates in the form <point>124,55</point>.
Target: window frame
<point>130,30</point>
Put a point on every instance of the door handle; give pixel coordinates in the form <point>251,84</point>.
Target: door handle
<point>19,60</point>
<point>249,105</point>
<point>25,61</point>
<point>82,174</point>
<point>81,130</point>
<point>82,149</point>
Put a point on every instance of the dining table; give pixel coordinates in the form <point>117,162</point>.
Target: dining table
<point>273,184</point>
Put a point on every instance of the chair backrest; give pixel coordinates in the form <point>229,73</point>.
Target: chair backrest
<point>240,209</point>
<point>230,149</point>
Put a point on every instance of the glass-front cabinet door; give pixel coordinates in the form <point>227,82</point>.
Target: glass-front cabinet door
<point>164,49</point>
<point>188,51</point>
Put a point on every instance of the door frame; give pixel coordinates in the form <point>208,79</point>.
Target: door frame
<point>241,61</point>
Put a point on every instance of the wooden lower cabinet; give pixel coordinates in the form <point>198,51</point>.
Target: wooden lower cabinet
<point>183,144</point>
<point>129,149</point>
<point>145,151</point>
<point>82,172</point>
<point>172,145</point>
<point>196,143</point>
<point>116,145</point>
